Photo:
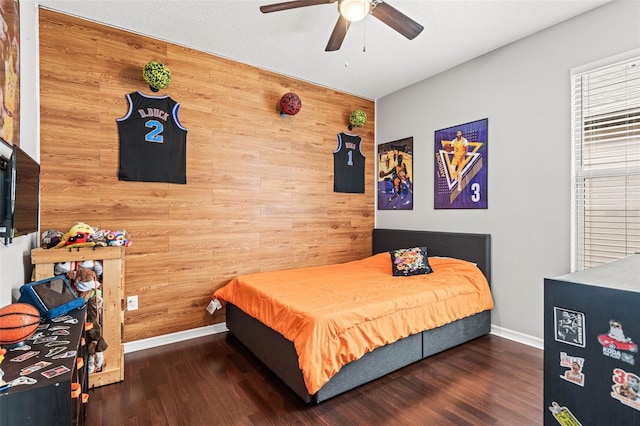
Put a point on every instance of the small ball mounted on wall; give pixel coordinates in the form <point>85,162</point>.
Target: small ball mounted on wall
<point>157,75</point>
<point>358,118</point>
<point>290,104</point>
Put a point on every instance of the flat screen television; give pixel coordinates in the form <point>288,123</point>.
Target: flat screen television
<point>19,192</point>
<point>27,194</point>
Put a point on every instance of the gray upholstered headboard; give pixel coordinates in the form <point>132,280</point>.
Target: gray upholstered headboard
<point>471,247</point>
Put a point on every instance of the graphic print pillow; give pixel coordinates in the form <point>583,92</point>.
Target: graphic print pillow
<point>411,261</point>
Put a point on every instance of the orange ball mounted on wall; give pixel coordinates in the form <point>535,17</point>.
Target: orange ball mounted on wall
<point>290,104</point>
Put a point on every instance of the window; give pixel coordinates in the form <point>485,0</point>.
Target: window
<point>605,114</point>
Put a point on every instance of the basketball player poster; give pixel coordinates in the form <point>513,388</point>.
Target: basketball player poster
<point>461,166</point>
<point>10,71</point>
<point>395,175</point>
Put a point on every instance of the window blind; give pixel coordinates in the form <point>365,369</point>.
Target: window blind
<point>606,163</point>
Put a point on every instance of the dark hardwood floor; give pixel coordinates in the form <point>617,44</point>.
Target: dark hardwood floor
<point>215,380</point>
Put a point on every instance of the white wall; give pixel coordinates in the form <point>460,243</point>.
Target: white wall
<point>15,260</point>
<point>523,90</point>
<point>15,266</point>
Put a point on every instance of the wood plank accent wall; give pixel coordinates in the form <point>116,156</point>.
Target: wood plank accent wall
<point>259,193</point>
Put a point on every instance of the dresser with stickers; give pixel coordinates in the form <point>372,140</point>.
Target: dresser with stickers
<point>46,380</point>
<point>591,342</point>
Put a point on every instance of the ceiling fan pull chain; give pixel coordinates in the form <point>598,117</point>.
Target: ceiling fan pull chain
<point>364,37</point>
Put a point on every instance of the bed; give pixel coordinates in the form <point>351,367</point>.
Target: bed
<point>281,355</point>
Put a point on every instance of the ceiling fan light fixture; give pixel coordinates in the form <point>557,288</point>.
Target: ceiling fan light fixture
<point>354,10</point>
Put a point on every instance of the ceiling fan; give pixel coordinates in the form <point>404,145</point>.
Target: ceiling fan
<point>353,11</point>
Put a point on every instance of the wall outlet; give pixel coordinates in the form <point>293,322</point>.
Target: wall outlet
<point>132,303</point>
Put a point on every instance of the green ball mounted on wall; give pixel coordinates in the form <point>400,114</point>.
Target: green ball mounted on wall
<point>358,118</point>
<point>157,75</point>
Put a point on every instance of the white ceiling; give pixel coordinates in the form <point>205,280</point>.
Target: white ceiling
<point>292,42</point>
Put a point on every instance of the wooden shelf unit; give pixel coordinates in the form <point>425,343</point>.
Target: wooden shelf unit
<point>112,294</point>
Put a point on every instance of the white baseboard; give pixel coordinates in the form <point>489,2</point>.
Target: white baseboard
<point>180,336</point>
<point>516,336</point>
<point>152,342</point>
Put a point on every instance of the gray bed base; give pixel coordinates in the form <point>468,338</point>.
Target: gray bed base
<point>280,356</point>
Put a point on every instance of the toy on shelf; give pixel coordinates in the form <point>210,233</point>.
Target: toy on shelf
<point>78,236</point>
<point>85,277</point>
<point>106,237</point>
<point>2,382</point>
<point>84,235</point>
<point>88,286</point>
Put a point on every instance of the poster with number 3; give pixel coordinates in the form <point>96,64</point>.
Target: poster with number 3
<point>461,166</point>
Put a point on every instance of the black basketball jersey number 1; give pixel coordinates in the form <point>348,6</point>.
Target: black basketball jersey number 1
<point>348,164</point>
<point>153,142</point>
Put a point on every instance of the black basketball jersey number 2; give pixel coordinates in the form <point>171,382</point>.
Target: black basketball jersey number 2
<point>348,164</point>
<point>152,140</point>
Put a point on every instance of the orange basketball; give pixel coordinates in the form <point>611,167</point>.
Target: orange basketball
<point>18,322</point>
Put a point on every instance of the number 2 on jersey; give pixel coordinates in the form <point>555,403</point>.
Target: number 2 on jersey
<point>155,134</point>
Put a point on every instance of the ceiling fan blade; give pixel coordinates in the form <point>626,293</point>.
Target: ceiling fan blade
<point>397,20</point>
<point>277,7</point>
<point>338,34</point>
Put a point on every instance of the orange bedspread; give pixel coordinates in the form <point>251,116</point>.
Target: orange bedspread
<point>335,314</point>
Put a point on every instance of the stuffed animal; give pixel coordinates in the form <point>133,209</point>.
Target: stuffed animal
<point>88,287</point>
<point>2,353</point>
<point>96,348</point>
<point>106,237</point>
<point>63,268</point>
<point>86,281</point>
<point>118,238</point>
<point>94,265</point>
<point>50,238</point>
<point>97,345</point>
<point>78,236</point>
<point>70,269</point>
